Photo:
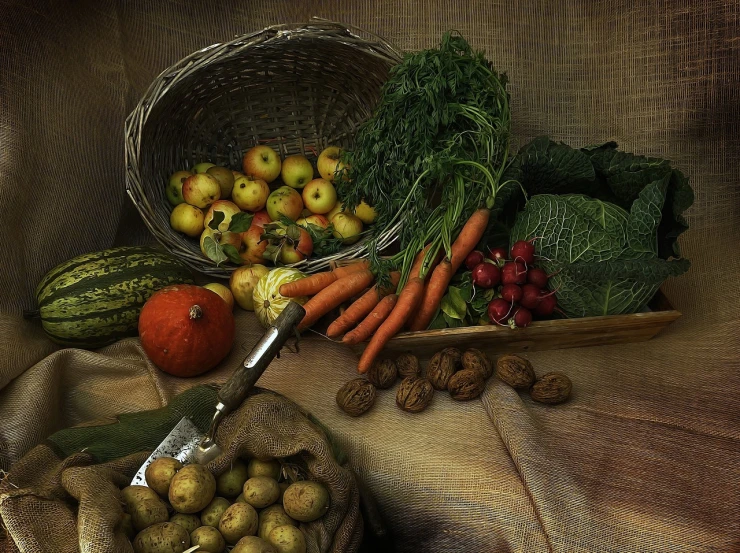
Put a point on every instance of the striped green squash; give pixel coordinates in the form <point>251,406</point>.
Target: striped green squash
<point>94,299</point>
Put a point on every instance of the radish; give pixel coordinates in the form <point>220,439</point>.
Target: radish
<point>512,293</point>
<point>522,317</point>
<point>474,258</point>
<point>523,251</point>
<point>514,272</point>
<point>497,254</point>
<point>486,275</point>
<point>538,277</point>
<point>546,305</point>
<point>530,296</point>
<point>498,311</point>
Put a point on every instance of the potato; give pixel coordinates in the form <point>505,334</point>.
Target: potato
<point>306,500</point>
<point>269,468</point>
<point>147,512</point>
<point>239,520</point>
<point>283,486</point>
<point>252,544</point>
<point>127,526</point>
<point>209,539</point>
<point>287,539</point>
<point>134,494</point>
<point>189,522</point>
<point>231,482</point>
<point>213,511</point>
<point>240,498</point>
<point>272,517</point>
<point>191,489</point>
<point>160,472</point>
<point>165,537</point>
<point>261,491</point>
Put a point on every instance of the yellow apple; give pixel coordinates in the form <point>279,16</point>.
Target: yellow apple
<point>237,174</point>
<point>250,193</point>
<point>229,209</point>
<point>318,220</point>
<point>365,213</point>
<point>292,250</point>
<point>224,177</point>
<point>242,283</point>
<point>286,201</point>
<point>202,167</point>
<point>222,291</point>
<point>336,209</point>
<point>233,238</point>
<point>296,171</point>
<point>319,196</point>
<point>329,162</point>
<point>262,162</point>
<point>174,187</point>
<point>201,190</point>
<point>253,246</point>
<point>187,219</point>
<point>347,227</point>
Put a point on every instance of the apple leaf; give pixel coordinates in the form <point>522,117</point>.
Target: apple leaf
<point>232,254</point>
<point>240,222</point>
<point>293,232</point>
<point>272,252</point>
<point>218,218</point>
<point>213,251</point>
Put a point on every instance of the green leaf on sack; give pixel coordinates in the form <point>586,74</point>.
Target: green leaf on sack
<point>240,222</point>
<point>213,250</point>
<point>232,253</point>
<point>217,219</point>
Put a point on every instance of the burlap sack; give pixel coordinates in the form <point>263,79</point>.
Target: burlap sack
<point>64,494</point>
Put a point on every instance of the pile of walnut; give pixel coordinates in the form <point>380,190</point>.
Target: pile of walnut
<point>463,375</point>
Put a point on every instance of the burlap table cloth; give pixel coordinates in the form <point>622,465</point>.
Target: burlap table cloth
<point>646,455</point>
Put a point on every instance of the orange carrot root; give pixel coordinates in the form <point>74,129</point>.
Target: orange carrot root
<point>308,286</point>
<point>333,295</point>
<point>370,324</point>
<point>354,267</point>
<point>356,312</point>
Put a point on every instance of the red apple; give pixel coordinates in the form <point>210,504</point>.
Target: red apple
<point>262,162</point>
<point>318,220</point>
<point>201,190</point>
<point>253,246</point>
<point>261,218</point>
<point>292,250</point>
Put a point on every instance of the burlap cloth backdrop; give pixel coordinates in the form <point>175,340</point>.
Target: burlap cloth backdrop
<point>646,456</point>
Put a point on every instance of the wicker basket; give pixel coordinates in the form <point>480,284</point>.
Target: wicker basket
<point>297,88</point>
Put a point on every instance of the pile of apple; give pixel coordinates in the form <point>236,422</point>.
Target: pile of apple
<point>293,203</point>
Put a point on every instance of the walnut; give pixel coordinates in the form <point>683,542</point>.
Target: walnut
<point>407,365</point>
<point>383,374</point>
<point>466,384</point>
<point>516,371</point>
<point>551,388</point>
<point>456,355</point>
<point>441,367</point>
<point>356,397</point>
<point>476,359</point>
<point>414,394</point>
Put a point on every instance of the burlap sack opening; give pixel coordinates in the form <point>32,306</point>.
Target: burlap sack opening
<point>65,493</point>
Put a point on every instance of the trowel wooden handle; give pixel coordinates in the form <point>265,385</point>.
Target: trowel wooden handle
<point>236,389</point>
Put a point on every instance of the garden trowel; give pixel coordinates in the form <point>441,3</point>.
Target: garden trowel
<point>185,442</point>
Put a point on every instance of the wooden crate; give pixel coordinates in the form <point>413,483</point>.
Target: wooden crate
<point>540,335</point>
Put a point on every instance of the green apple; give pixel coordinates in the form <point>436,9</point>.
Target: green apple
<point>262,162</point>
<point>329,162</point>
<point>202,167</point>
<point>224,177</point>
<point>297,171</point>
<point>201,190</point>
<point>229,209</point>
<point>242,283</point>
<point>250,193</point>
<point>318,220</point>
<point>174,187</point>
<point>292,250</point>
<point>286,201</point>
<point>222,291</point>
<point>187,219</point>
<point>337,209</point>
<point>319,196</point>
<point>347,227</point>
<point>365,213</point>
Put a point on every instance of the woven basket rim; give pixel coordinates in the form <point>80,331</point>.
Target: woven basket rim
<point>139,116</point>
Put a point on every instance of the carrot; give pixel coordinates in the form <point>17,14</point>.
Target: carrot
<point>360,308</point>
<point>337,292</point>
<point>307,286</point>
<point>408,300</point>
<point>354,267</point>
<point>469,236</point>
<point>370,324</point>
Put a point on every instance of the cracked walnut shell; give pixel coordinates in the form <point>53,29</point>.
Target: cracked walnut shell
<point>414,394</point>
<point>407,365</point>
<point>441,367</point>
<point>516,371</point>
<point>356,397</point>
<point>383,374</point>
<point>551,388</point>
<point>477,360</point>
<point>466,384</point>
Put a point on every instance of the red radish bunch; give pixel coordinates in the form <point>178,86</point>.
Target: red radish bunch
<point>523,291</point>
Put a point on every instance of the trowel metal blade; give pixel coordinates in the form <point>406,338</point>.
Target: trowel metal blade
<point>181,443</point>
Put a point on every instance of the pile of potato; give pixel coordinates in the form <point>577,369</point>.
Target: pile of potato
<point>246,507</point>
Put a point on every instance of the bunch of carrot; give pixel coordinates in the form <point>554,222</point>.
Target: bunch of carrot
<point>380,314</point>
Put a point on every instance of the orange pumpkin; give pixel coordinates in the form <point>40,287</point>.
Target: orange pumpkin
<point>186,330</point>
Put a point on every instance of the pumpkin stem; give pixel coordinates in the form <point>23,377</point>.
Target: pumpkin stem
<point>196,312</point>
